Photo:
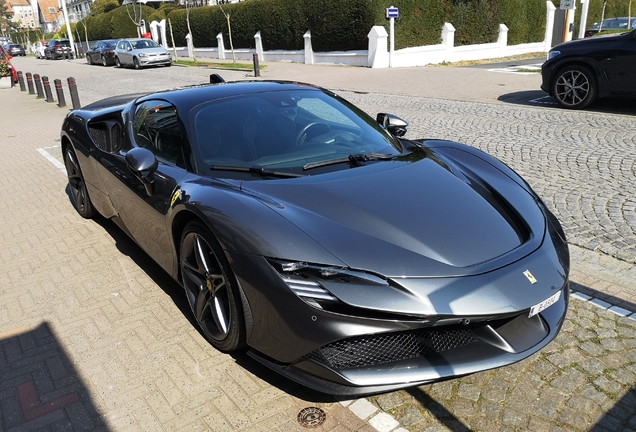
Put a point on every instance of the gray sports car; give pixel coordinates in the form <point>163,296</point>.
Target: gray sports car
<point>337,252</point>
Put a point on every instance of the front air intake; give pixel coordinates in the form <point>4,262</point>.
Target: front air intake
<point>370,350</point>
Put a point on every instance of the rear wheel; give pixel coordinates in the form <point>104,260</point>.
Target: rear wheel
<point>117,62</point>
<point>211,288</point>
<point>79,194</point>
<point>574,87</point>
<point>89,60</point>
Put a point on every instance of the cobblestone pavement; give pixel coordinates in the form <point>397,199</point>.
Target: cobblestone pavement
<point>93,335</point>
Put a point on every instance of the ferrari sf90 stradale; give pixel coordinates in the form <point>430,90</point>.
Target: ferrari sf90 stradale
<point>337,252</point>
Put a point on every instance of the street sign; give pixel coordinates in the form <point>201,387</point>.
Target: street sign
<point>393,12</point>
<point>567,4</point>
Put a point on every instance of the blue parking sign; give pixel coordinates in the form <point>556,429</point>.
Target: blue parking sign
<point>392,12</point>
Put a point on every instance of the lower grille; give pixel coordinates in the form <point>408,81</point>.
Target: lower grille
<point>363,351</point>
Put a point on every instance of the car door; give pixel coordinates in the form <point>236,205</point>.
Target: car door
<point>156,127</point>
<point>624,66</point>
<point>127,53</point>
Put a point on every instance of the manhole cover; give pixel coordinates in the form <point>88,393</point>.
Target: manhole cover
<point>311,417</point>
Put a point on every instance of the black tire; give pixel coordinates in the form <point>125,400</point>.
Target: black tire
<point>211,288</point>
<point>104,62</point>
<point>88,60</point>
<point>574,87</point>
<point>79,194</point>
<point>136,63</point>
<point>117,62</point>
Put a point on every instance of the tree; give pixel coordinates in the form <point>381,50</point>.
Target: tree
<point>136,16</point>
<point>103,6</point>
<point>194,55</point>
<point>229,30</point>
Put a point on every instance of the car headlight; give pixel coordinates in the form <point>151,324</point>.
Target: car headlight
<point>310,282</point>
<point>143,55</point>
<point>552,54</point>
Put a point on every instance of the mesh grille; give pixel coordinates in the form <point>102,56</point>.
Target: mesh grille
<point>99,136</point>
<point>363,351</point>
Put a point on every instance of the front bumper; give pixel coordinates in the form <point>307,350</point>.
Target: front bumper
<point>476,323</point>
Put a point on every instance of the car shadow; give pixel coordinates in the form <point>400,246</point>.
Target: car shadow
<point>537,98</point>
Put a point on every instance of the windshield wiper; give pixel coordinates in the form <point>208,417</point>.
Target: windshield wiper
<point>255,170</point>
<point>353,159</point>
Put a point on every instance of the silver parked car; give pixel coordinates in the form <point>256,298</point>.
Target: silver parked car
<point>140,53</point>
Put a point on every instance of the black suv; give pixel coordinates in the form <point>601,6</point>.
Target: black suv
<point>57,48</point>
<point>578,72</point>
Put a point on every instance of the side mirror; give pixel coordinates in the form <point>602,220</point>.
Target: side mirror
<point>395,125</point>
<point>143,164</point>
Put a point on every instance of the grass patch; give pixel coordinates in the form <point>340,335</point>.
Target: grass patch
<point>489,61</point>
<point>217,65</point>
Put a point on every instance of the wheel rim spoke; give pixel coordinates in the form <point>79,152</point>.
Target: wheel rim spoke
<point>206,286</point>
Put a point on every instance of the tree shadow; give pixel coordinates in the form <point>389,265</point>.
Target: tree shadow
<point>39,386</point>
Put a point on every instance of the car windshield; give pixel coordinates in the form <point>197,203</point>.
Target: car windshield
<point>144,44</point>
<point>288,131</point>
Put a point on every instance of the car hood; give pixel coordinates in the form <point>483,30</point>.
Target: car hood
<point>157,50</point>
<point>411,219</point>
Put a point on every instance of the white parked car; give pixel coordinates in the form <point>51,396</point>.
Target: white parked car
<point>140,53</point>
<point>38,49</point>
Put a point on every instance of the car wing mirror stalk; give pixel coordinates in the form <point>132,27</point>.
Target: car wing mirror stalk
<point>395,125</point>
<point>143,164</point>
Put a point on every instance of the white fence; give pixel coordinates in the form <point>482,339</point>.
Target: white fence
<point>377,55</point>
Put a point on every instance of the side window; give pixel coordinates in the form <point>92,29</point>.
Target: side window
<point>156,127</point>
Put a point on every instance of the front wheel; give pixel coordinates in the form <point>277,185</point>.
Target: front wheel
<point>574,87</point>
<point>136,63</point>
<point>79,194</point>
<point>211,288</point>
<point>104,62</point>
<point>89,60</point>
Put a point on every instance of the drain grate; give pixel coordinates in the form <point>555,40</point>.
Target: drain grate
<point>311,417</point>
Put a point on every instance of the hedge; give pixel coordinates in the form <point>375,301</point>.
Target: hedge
<point>338,25</point>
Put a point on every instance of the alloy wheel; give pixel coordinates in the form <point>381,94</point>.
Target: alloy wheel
<point>208,285</point>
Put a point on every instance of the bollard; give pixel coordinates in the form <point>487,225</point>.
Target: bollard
<point>38,86</point>
<point>61,102</point>
<point>257,71</point>
<point>30,83</point>
<point>47,89</point>
<point>21,81</point>
<point>72,87</point>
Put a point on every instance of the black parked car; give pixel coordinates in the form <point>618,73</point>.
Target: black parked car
<point>612,24</point>
<point>103,52</point>
<point>15,50</point>
<point>57,48</point>
<point>578,72</point>
<point>342,255</point>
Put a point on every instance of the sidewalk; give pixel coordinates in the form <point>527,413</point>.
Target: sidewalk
<point>94,336</point>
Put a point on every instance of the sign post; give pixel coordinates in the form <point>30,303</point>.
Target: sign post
<point>568,6</point>
<point>392,13</point>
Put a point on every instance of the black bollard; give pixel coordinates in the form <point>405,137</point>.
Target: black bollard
<point>72,87</point>
<point>47,89</point>
<point>21,81</point>
<point>38,86</point>
<point>61,102</point>
<point>257,71</point>
<point>30,83</point>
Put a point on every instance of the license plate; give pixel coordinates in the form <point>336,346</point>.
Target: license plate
<point>544,304</point>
